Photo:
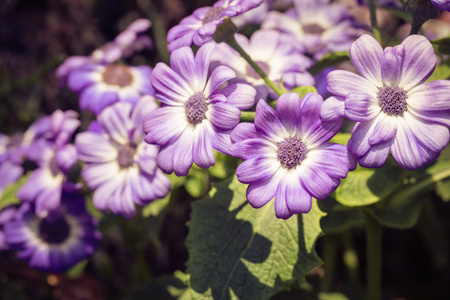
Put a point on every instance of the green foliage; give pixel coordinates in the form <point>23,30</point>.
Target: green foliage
<point>441,72</point>
<point>441,45</point>
<point>365,186</point>
<point>9,193</point>
<point>225,166</point>
<point>303,90</point>
<point>197,182</point>
<point>163,287</point>
<point>339,218</point>
<point>329,60</point>
<point>238,252</point>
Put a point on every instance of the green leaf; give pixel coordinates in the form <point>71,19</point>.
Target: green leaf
<point>224,167</point>
<point>398,12</point>
<point>197,182</point>
<point>441,72</point>
<point>9,193</point>
<point>339,218</point>
<point>443,190</point>
<point>441,45</point>
<point>77,270</point>
<point>365,186</point>
<point>328,60</point>
<point>332,296</point>
<point>163,287</point>
<point>341,138</point>
<point>303,90</point>
<point>402,209</point>
<point>238,252</point>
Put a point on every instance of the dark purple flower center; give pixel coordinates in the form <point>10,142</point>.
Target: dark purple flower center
<point>252,73</point>
<point>117,75</point>
<point>125,156</point>
<point>55,232</point>
<point>196,107</point>
<point>291,152</point>
<point>313,29</point>
<point>392,100</point>
<point>214,13</point>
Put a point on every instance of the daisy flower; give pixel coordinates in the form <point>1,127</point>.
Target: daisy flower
<point>318,26</point>
<point>196,117</point>
<point>53,244</point>
<point>120,167</point>
<point>287,155</point>
<point>395,110</point>
<point>200,27</point>
<point>102,85</point>
<point>276,56</point>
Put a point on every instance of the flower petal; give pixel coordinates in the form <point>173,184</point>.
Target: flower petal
<point>223,116</point>
<point>316,182</point>
<point>169,87</point>
<point>164,124</point>
<point>98,173</point>
<point>252,147</point>
<point>298,200</point>
<point>419,61</point>
<point>360,107</point>
<point>244,131</point>
<point>341,83</point>
<point>384,130</point>
<point>377,155</point>
<point>430,96</point>
<point>332,109</point>
<point>182,154</point>
<point>203,153</point>
<point>288,107</point>
<point>261,192</point>
<point>202,60</point>
<point>220,75</point>
<point>358,143</point>
<point>392,64</point>
<point>366,54</point>
<point>240,95</point>
<point>433,136</point>
<point>183,63</point>
<point>281,209</point>
<point>268,123</point>
<point>256,169</point>
<point>405,149</point>
<point>331,158</point>
<point>94,147</point>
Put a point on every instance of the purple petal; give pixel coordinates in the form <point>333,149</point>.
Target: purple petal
<point>116,121</point>
<point>221,141</point>
<point>79,80</point>
<point>298,200</point>
<point>430,96</point>
<point>220,75</point>
<point>281,209</point>
<point>165,158</point>
<point>244,131</point>
<point>256,169</point>
<point>384,130</point>
<point>66,157</point>
<point>366,54</point>
<point>105,100</point>
<point>358,144</point>
<point>309,111</point>
<point>169,87</point>
<point>342,83</point>
<point>288,107</point>
<point>317,182</point>
<point>202,60</point>
<point>320,133</point>
<point>377,155</point>
<point>252,147</point>
<point>260,193</point>
<point>440,117</point>
<point>223,116</point>
<point>419,61</point>
<point>94,147</point>
<point>203,153</point>
<point>49,200</point>
<point>182,62</point>
<point>332,109</point>
<point>392,63</point>
<point>164,124</point>
<point>405,149</point>
<point>268,123</point>
<point>433,136</point>
<point>330,158</point>
<point>98,173</point>
<point>182,154</point>
<point>240,95</point>
<point>360,107</point>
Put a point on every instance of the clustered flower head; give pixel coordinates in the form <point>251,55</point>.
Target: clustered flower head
<point>287,155</point>
<point>395,109</point>
<point>196,116</point>
<point>200,27</point>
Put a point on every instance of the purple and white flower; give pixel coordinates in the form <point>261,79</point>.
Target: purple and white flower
<point>120,166</point>
<point>102,85</point>
<point>53,244</point>
<point>395,110</point>
<point>318,26</point>
<point>287,155</point>
<point>200,27</point>
<point>129,41</point>
<point>276,56</point>
<point>196,117</point>
<point>6,215</point>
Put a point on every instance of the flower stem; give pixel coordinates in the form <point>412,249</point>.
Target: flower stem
<point>373,21</point>
<point>329,260</point>
<point>247,116</point>
<point>373,248</point>
<point>234,44</point>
